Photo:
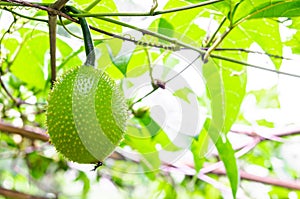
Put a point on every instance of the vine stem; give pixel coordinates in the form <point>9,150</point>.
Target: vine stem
<point>215,44</point>
<point>88,42</point>
<point>148,32</point>
<point>1,39</point>
<point>151,13</point>
<point>249,51</point>
<point>253,66</point>
<point>191,63</point>
<point>41,6</point>
<point>215,33</point>
<point>26,17</point>
<point>150,67</point>
<point>92,5</point>
<point>140,99</point>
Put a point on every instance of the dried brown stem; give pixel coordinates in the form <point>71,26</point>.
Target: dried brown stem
<point>52,16</point>
<point>18,195</point>
<point>25,132</point>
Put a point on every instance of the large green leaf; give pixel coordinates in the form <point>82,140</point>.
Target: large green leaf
<point>214,83</point>
<point>233,75</point>
<point>267,8</point>
<point>29,63</point>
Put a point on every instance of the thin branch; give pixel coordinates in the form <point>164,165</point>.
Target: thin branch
<point>215,33</point>
<point>253,66</point>
<point>287,131</point>
<point>187,7</point>
<point>146,95</point>
<point>18,195</point>
<point>295,185</point>
<point>24,16</point>
<point>250,51</point>
<point>133,14</point>
<point>191,63</point>
<point>174,41</point>
<point>25,132</point>
<point>7,92</point>
<point>59,4</point>
<point>7,32</point>
<point>92,5</point>
<point>215,44</point>
<point>39,6</point>
<point>150,66</point>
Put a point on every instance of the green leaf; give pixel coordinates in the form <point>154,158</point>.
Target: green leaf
<point>183,93</point>
<point>69,58</point>
<point>29,64</point>
<point>294,43</point>
<point>157,133</point>
<point>215,130</point>
<point>227,155</point>
<point>268,37</point>
<point>38,164</point>
<point>168,190</point>
<point>223,6</point>
<point>186,29</point>
<point>234,76</point>
<point>145,139</point>
<point>267,9</point>
<point>165,28</point>
<point>105,7</point>
<point>138,64</point>
<point>200,145</point>
<point>81,176</point>
<point>120,53</point>
<point>267,98</point>
<point>265,123</point>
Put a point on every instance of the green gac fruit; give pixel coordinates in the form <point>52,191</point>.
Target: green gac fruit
<point>86,115</point>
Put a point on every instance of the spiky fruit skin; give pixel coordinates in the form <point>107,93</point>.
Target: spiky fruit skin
<point>86,115</point>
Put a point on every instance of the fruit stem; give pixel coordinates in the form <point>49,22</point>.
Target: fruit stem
<point>88,41</point>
